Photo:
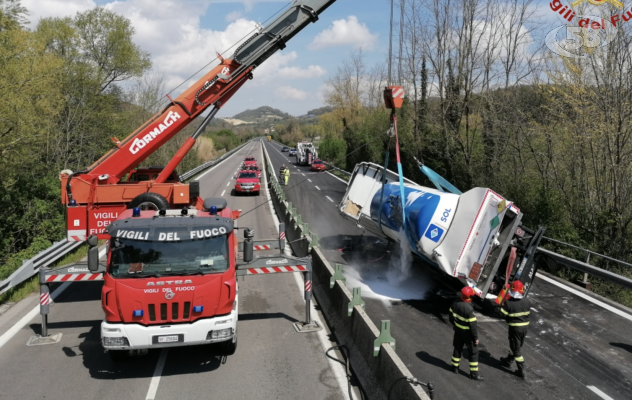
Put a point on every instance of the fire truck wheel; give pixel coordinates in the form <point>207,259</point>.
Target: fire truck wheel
<point>117,355</point>
<point>150,201</point>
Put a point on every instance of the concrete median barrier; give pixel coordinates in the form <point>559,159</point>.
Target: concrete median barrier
<point>358,333</point>
<point>379,374</point>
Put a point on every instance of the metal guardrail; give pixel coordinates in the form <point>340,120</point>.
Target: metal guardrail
<point>342,171</point>
<point>58,250</point>
<point>212,163</point>
<point>587,268</point>
<point>31,267</point>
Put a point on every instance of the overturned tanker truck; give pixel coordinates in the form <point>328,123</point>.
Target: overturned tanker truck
<point>475,237</point>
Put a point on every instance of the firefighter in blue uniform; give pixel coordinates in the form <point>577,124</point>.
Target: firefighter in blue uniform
<point>516,312</point>
<point>465,332</point>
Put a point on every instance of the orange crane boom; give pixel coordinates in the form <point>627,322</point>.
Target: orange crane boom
<point>96,196</point>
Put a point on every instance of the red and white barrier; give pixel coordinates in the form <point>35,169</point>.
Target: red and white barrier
<point>44,299</point>
<point>276,270</point>
<point>74,277</point>
<point>262,247</point>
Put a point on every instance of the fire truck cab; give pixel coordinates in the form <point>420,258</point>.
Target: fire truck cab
<point>171,279</point>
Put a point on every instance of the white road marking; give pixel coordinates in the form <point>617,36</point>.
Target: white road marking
<point>317,187</point>
<point>223,193</point>
<point>600,393</point>
<point>8,335</point>
<point>309,180</point>
<point>303,174</point>
<point>155,380</point>
<point>329,198</point>
<point>340,179</point>
<point>338,369</point>
<point>228,183</point>
<point>586,297</point>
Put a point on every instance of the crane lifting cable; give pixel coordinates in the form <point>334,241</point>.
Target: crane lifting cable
<point>394,99</point>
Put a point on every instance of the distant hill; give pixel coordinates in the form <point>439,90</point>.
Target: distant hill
<point>320,111</point>
<point>262,114</point>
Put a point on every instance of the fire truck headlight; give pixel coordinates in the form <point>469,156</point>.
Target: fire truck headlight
<point>115,341</point>
<point>220,334</point>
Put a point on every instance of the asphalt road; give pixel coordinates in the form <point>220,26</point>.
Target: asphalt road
<point>272,360</point>
<point>575,348</point>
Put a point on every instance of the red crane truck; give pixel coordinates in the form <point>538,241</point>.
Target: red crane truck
<point>97,196</point>
<point>172,257</point>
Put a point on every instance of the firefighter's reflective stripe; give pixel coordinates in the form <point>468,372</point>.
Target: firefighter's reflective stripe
<point>520,314</point>
<point>461,326</point>
<point>464,319</point>
<point>460,318</point>
<point>474,366</point>
<point>455,361</point>
<point>516,312</point>
<point>520,359</point>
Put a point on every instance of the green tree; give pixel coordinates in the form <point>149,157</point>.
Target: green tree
<point>30,99</point>
<point>105,41</point>
<point>12,15</point>
<point>333,149</point>
<point>98,51</point>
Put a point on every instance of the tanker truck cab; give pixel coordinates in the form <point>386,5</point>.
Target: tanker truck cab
<point>170,280</point>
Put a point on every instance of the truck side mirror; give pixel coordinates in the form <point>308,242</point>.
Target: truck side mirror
<point>93,241</point>
<point>93,254</point>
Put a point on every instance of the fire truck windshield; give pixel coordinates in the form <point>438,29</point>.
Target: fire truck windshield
<point>140,259</point>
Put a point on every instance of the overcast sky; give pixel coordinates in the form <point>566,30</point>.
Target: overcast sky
<point>184,35</point>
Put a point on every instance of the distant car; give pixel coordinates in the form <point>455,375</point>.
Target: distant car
<point>250,161</point>
<point>247,182</point>
<point>285,148</point>
<point>318,165</point>
<point>292,153</point>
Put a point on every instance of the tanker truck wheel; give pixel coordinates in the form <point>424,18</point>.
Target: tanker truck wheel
<point>150,201</point>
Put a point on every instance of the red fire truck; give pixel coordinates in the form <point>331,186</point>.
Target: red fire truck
<point>172,257</point>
